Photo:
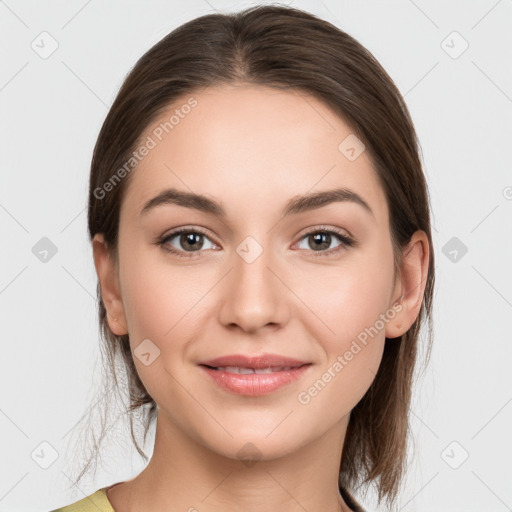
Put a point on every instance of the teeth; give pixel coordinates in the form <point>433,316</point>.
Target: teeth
<point>244,371</point>
<point>264,370</point>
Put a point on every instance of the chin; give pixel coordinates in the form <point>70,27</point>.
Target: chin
<point>250,446</point>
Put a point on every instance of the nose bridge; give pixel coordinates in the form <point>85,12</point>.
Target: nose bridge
<point>254,295</point>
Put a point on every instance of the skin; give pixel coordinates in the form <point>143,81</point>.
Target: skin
<point>252,149</point>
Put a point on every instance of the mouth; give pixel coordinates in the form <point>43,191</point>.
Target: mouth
<point>254,375</point>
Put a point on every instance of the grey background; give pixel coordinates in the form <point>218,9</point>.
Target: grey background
<point>51,111</point>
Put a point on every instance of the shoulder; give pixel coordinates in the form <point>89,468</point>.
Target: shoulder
<point>96,502</point>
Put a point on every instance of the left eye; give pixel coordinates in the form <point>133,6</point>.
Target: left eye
<point>320,241</point>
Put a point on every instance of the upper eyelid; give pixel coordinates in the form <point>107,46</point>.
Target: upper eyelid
<point>324,228</point>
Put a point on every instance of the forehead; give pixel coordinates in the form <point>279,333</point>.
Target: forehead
<point>251,147</point>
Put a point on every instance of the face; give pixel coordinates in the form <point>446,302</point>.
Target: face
<point>313,282</point>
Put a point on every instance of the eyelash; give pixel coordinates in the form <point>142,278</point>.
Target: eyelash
<point>346,241</point>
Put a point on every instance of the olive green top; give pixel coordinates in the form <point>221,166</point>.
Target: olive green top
<point>98,502</point>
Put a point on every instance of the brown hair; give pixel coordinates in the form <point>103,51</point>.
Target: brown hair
<point>285,48</point>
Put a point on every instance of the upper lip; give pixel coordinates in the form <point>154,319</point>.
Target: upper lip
<point>257,362</point>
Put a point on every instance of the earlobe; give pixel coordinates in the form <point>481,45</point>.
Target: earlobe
<point>394,327</point>
<point>110,294</point>
<point>415,262</point>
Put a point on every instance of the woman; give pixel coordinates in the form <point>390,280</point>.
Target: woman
<point>261,233</point>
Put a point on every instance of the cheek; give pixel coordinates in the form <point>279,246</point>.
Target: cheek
<point>159,306</point>
<point>157,295</point>
<point>350,297</point>
<point>352,346</point>
<point>351,301</point>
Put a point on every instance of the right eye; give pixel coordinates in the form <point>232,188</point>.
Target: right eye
<point>191,241</point>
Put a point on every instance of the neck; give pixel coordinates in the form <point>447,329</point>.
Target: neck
<point>183,474</point>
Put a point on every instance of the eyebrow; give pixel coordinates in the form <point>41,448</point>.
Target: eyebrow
<point>296,205</point>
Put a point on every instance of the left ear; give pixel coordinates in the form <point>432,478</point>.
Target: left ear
<point>411,286</point>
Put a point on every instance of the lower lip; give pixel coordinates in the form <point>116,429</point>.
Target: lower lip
<point>255,384</point>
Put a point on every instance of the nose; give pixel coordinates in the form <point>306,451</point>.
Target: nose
<point>254,294</point>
